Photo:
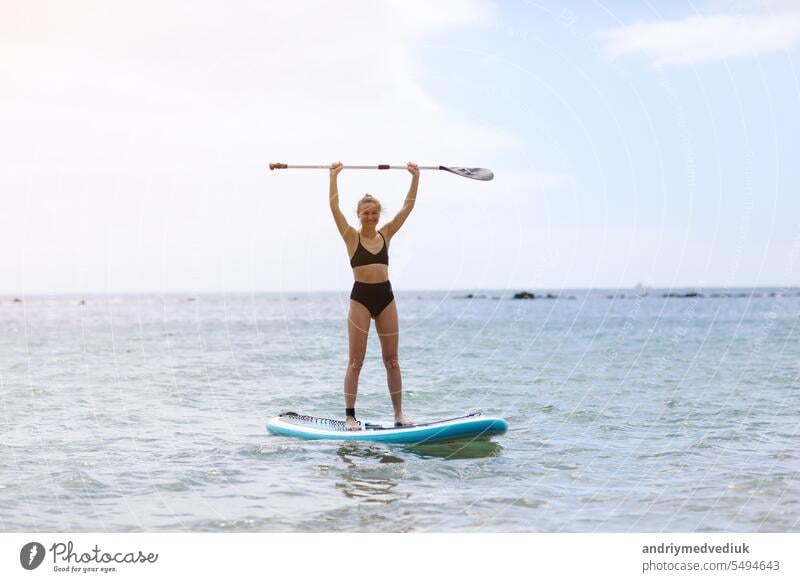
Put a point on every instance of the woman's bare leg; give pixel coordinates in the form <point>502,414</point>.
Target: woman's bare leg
<point>358,321</point>
<point>389,333</point>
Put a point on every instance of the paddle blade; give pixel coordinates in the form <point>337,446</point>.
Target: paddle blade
<point>474,173</point>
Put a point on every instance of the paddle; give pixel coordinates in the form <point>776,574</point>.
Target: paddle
<point>474,173</point>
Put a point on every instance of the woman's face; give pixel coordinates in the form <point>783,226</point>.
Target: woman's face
<point>369,214</point>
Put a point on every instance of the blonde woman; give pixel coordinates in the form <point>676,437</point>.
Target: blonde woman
<point>371,297</point>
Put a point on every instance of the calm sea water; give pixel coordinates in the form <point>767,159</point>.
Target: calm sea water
<point>628,413</point>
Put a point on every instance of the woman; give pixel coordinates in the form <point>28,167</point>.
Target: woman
<point>371,297</point>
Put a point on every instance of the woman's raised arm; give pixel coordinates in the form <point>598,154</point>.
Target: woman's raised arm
<point>333,195</point>
<point>395,223</point>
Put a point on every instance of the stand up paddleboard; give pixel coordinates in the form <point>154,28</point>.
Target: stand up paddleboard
<point>471,426</point>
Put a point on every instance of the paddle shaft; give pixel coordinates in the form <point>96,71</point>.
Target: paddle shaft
<point>473,173</point>
<point>378,167</point>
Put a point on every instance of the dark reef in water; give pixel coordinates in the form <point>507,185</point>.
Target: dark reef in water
<point>641,294</point>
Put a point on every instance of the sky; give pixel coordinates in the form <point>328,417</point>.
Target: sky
<point>649,143</point>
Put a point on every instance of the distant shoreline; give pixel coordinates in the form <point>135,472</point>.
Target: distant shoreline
<point>518,294</point>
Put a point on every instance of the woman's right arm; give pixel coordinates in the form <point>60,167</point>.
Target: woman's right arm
<point>333,194</point>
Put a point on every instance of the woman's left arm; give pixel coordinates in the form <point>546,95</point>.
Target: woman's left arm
<point>395,223</point>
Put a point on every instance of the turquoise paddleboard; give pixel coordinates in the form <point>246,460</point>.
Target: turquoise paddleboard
<point>471,426</point>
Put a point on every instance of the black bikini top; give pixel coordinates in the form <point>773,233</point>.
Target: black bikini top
<point>363,257</point>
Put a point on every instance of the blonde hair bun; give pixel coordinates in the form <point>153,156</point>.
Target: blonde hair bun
<point>368,199</point>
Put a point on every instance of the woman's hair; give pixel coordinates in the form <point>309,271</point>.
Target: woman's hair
<point>368,198</point>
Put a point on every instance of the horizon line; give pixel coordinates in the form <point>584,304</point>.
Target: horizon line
<point>346,290</point>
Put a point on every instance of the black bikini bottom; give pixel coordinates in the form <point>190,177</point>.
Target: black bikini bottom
<point>373,296</point>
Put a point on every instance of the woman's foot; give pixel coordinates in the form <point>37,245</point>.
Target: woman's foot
<point>351,423</point>
<point>402,420</point>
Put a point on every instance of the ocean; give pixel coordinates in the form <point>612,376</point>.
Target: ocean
<point>655,410</point>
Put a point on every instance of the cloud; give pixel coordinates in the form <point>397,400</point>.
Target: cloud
<point>705,38</point>
<point>160,84</point>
